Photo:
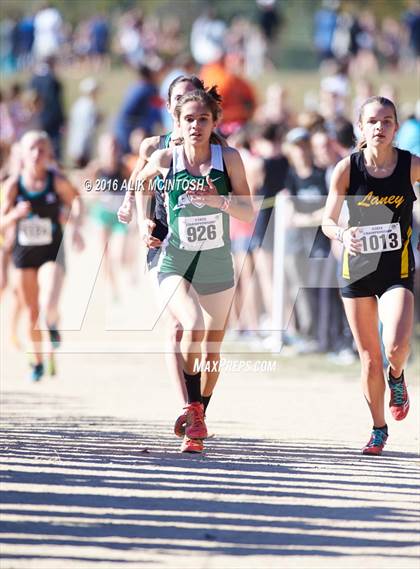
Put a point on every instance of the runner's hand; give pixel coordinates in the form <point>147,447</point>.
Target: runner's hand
<point>21,210</point>
<point>146,229</point>
<point>207,196</point>
<point>351,241</point>
<point>125,213</point>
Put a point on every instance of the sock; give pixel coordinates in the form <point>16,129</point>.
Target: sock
<point>395,379</point>
<point>206,401</point>
<point>193,384</point>
<point>384,429</point>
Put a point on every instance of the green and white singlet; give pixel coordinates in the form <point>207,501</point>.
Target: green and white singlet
<point>197,246</point>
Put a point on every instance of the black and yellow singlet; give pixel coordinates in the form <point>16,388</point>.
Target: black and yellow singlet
<point>382,208</point>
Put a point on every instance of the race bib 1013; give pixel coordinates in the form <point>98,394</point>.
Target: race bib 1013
<point>379,238</point>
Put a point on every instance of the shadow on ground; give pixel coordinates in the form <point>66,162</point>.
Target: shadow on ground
<point>119,485</point>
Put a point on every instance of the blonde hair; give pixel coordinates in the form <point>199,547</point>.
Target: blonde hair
<point>33,136</point>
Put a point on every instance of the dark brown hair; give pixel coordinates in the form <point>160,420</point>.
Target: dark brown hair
<point>209,97</point>
<point>193,79</point>
<point>382,101</point>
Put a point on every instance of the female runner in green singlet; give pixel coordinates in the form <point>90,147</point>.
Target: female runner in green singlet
<point>204,184</point>
<point>157,219</point>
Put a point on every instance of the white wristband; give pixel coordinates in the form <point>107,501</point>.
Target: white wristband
<point>339,234</point>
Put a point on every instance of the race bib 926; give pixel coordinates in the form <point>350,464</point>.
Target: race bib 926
<point>201,233</point>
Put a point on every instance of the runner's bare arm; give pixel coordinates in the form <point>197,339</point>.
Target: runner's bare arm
<point>10,213</point>
<point>147,147</point>
<point>159,163</point>
<point>415,169</point>
<point>71,197</point>
<point>240,205</point>
<point>340,182</point>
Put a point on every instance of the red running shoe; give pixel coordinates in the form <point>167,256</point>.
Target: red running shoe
<point>180,423</point>
<point>192,445</point>
<point>376,443</point>
<point>195,427</point>
<point>399,402</point>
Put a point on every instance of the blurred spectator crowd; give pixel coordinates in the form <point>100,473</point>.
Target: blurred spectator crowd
<point>341,31</point>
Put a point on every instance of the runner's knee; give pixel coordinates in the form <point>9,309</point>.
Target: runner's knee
<point>397,350</point>
<point>33,312</point>
<point>372,362</point>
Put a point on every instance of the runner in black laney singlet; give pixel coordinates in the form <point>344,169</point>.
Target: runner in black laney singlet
<point>378,262</point>
<point>382,208</point>
<point>33,202</point>
<point>205,184</point>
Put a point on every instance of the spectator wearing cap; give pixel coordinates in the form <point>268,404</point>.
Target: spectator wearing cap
<point>267,143</point>
<point>333,330</point>
<point>333,95</point>
<point>83,121</point>
<point>304,239</point>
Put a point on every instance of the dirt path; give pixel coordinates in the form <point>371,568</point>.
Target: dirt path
<point>91,474</point>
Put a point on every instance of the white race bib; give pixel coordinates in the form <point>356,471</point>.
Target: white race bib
<point>35,231</point>
<point>379,238</point>
<point>201,233</point>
